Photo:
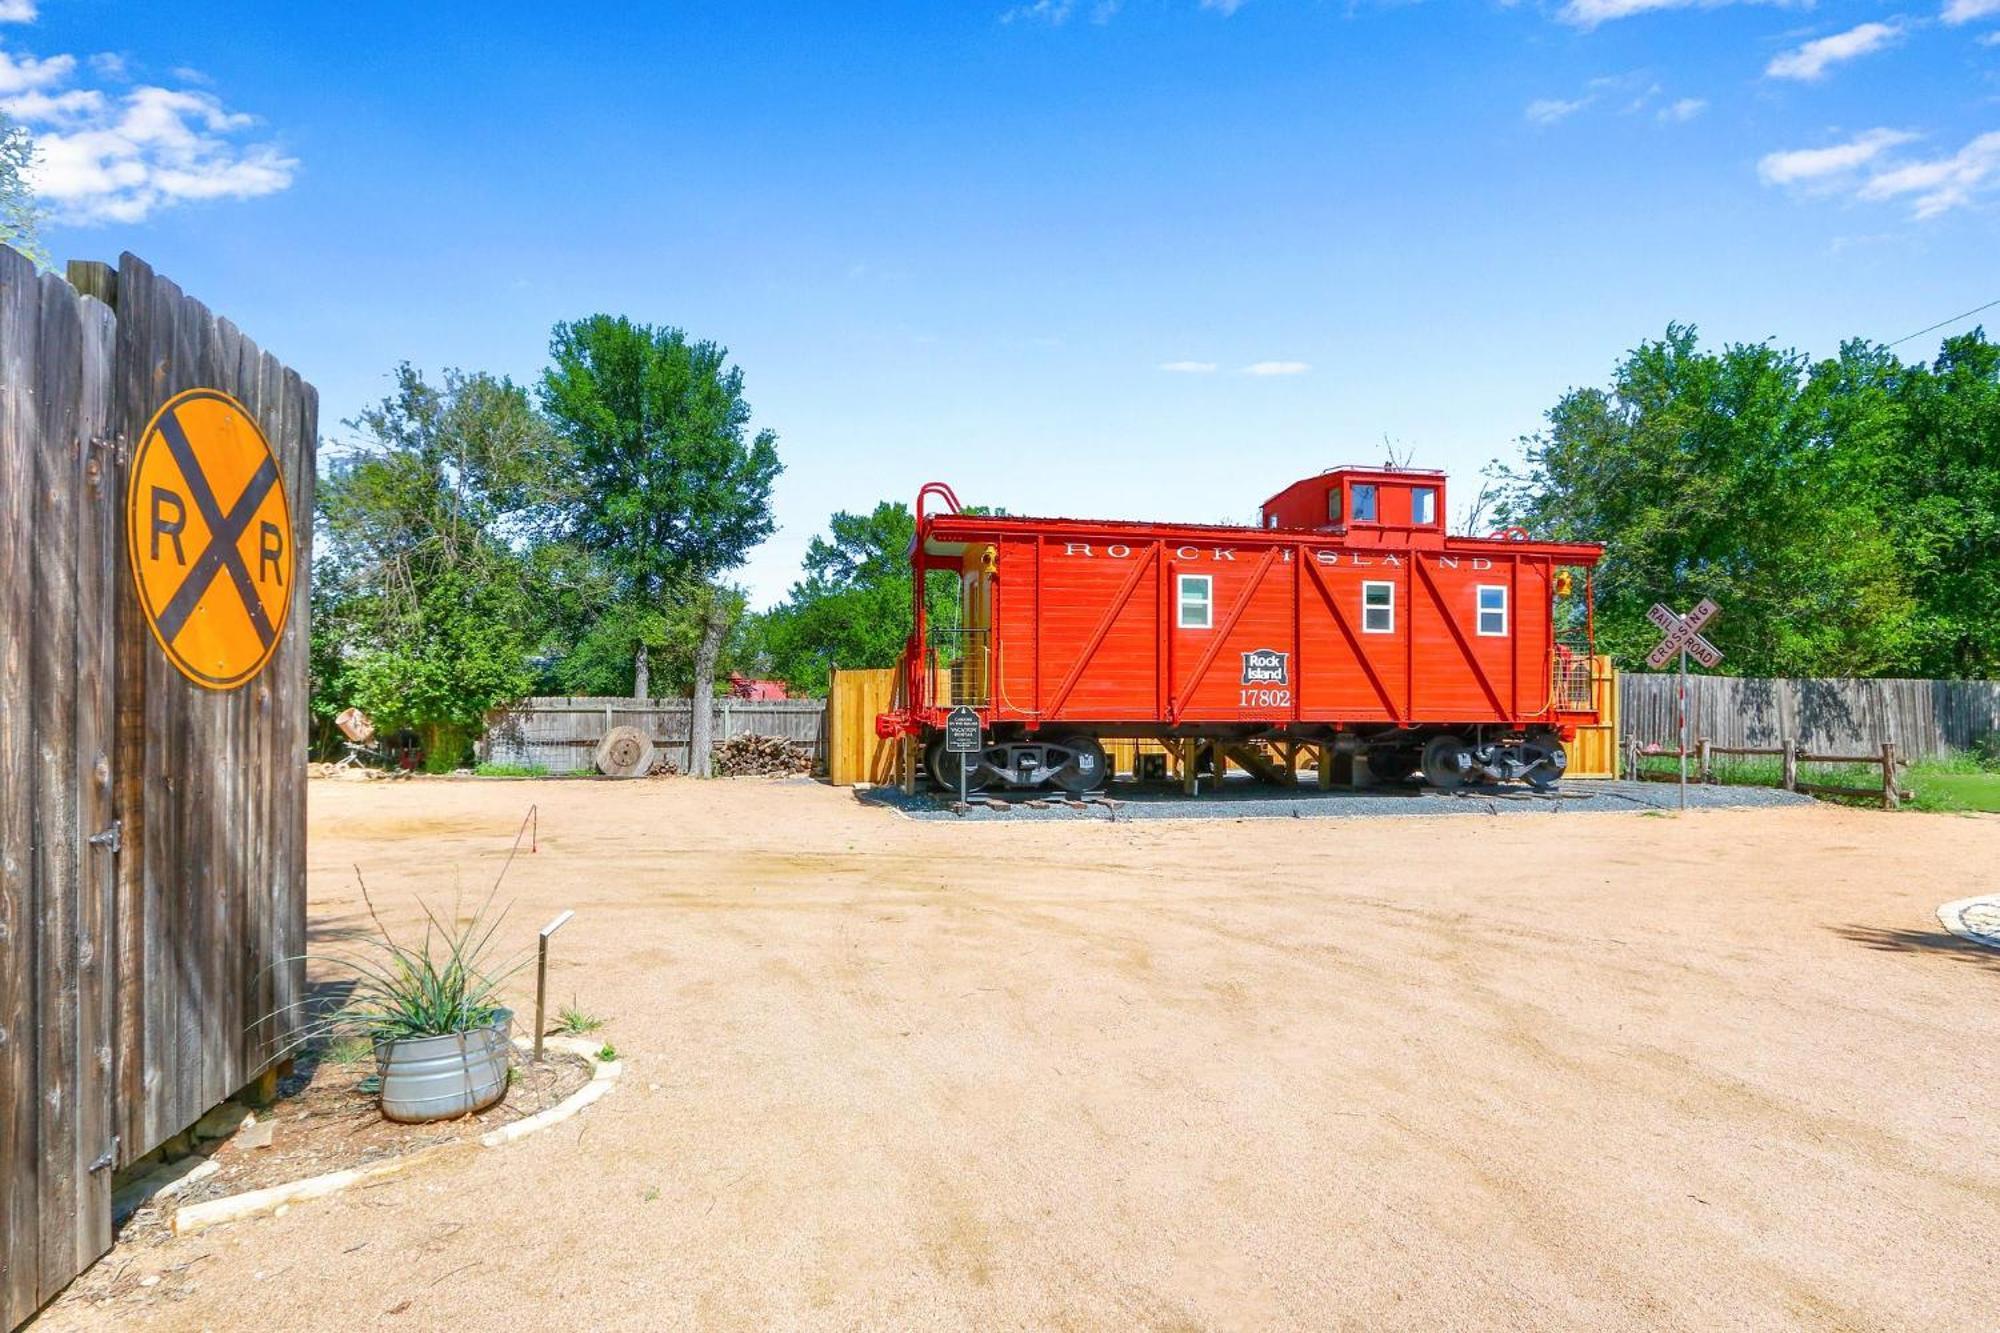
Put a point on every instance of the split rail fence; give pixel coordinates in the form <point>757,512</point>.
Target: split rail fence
<point>152,832</point>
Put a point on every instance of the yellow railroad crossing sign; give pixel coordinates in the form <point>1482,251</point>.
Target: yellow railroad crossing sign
<point>209,532</point>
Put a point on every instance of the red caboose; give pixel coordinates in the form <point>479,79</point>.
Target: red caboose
<point>1350,620</point>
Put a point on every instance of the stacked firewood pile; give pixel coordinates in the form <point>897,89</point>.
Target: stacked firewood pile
<point>749,756</point>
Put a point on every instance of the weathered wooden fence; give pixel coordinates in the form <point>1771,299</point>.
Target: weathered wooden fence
<point>152,858</point>
<point>1920,717</point>
<point>559,734</point>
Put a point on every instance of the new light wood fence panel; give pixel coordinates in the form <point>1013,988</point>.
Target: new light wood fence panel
<point>1923,718</point>
<point>560,733</point>
<point>854,752</point>
<point>152,854</point>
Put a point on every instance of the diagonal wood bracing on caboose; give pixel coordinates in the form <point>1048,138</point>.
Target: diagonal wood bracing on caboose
<point>1096,639</point>
<point>1354,643</point>
<point>1457,635</point>
<point>1222,630</point>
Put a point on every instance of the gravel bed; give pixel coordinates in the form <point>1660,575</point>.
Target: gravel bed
<point>1246,798</point>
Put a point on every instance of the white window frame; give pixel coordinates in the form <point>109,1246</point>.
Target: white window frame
<point>1429,496</point>
<point>1368,586</point>
<point>1183,603</point>
<point>1480,610</point>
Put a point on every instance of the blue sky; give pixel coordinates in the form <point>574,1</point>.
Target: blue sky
<point>1155,258</point>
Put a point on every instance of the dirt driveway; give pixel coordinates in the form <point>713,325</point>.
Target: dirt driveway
<point>1614,1071</point>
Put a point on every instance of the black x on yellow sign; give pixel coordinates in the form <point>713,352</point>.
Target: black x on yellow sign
<point>209,533</point>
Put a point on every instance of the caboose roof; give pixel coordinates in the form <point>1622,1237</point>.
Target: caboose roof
<point>949,534</point>
<point>1380,475</point>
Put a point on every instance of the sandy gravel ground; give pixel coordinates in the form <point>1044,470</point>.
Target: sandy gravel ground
<point>1719,1071</point>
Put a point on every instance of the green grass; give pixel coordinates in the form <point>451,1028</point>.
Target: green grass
<point>607,1052</point>
<point>510,771</point>
<point>1953,787</point>
<point>576,1022</point>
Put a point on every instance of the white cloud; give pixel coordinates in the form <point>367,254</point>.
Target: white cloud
<point>1686,109</point>
<point>120,156</point>
<point>1810,61</point>
<point>17,11</point>
<point>1224,7</point>
<point>1048,11</point>
<point>1590,13</point>
<point>1266,368</point>
<point>108,64</point>
<point>1965,11</point>
<point>1549,110</point>
<point>1989,39</point>
<point>19,74</point>
<point>1812,164</point>
<point>1188,367</point>
<point>1943,183</point>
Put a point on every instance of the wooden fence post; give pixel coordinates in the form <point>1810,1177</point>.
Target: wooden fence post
<point>1791,765</point>
<point>1889,798</point>
<point>1704,771</point>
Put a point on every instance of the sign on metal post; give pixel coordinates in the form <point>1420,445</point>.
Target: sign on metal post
<point>1681,637</point>
<point>964,734</point>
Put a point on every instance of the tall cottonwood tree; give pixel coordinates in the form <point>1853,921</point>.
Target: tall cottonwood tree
<point>672,488</point>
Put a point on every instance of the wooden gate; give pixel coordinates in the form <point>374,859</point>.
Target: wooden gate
<point>152,879</point>
<point>1595,751</point>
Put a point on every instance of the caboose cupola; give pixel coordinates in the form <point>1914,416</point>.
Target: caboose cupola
<point>1369,506</point>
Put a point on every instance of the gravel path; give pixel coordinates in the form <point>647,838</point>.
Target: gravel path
<point>1245,798</point>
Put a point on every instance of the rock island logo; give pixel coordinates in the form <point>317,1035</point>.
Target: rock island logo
<point>1265,666</point>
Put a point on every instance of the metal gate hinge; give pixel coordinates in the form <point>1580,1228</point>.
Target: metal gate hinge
<point>113,837</point>
<point>110,1155</point>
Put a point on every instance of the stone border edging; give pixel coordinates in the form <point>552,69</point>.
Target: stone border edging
<point>273,1198</point>
<point>1952,917</point>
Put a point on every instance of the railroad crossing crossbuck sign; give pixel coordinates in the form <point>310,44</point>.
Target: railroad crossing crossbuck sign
<point>1683,633</point>
<point>209,532</point>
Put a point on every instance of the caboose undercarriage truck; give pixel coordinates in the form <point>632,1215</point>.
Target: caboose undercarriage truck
<point>1350,621</point>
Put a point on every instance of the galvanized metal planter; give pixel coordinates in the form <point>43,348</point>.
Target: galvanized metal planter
<point>440,1078</point>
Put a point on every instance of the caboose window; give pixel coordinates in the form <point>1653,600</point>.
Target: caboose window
<point>1333,507</point>
<point>1195,601</point>
<point>1378,608</point>
<point>1364,502</point>
<point>1423,506</point>
<point>1492,610</point>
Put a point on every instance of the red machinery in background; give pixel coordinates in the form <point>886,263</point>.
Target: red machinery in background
<point>1350,620</point>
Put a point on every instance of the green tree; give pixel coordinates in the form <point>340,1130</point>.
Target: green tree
<point>672,489</point>
<point>21,215</point>
<point>1745,475</point>
<point>852,608</point>
<point>1941,481</point>
<point>424,567</point>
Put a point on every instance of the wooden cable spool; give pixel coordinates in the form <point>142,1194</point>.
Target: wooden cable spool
<point>625,752</point>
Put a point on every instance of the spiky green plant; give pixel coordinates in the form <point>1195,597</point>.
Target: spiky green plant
<point>447,982</point>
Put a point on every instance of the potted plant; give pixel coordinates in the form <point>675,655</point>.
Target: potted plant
<point>442,1039</point>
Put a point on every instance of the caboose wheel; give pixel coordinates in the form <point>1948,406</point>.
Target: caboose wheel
<point>1444,762</point>
<point>1545,751</point>
<point>1086,769</point>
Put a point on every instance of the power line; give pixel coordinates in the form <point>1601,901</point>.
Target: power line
<point>1941,323</point>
